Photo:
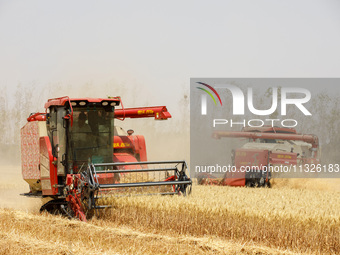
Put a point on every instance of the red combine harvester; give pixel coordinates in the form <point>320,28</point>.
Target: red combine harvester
<point>75,155</point>
<point>267,148</point>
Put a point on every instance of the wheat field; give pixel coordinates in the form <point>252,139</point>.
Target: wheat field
<point>293,217</point>
<point>284,218</point>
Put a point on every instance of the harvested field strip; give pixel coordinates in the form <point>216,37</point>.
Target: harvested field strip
<point>279,218</point>
<point>23,233</point>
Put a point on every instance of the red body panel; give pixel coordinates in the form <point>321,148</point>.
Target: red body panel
<point>46,160</point>
<point>245,160</point>
<point>37,117</point>
<point>235,179</point>
<point>135,144</point>
<point>124,157</point>
<point>284,158</point>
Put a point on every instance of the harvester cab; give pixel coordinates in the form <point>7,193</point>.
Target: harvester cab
<point>74,154</point>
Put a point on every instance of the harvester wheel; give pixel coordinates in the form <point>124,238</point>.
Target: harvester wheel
<point>89,213</point>
<point>249,184</point>
<point>184,189</point>
<point>67,211</point>
<point>55,207</point>
<point>188,191</point>
<point>267,184</point>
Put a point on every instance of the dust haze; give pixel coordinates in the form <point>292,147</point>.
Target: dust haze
<point>11,186</point>
<point>324,184</point>
<point>165,140</point>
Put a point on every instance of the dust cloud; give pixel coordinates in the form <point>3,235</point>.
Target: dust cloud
<point>11,186</point>
<point>309,184</point>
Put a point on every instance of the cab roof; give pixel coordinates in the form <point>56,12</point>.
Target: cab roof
<point>61,101</point>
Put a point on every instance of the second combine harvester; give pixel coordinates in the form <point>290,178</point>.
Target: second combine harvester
<point>266,147</point>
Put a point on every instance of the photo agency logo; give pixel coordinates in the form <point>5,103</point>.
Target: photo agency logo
<point>281,97</point>
<point>204,97</point>
<point>268,125</point>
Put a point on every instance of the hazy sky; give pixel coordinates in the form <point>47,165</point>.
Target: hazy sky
<point>159,45</point>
